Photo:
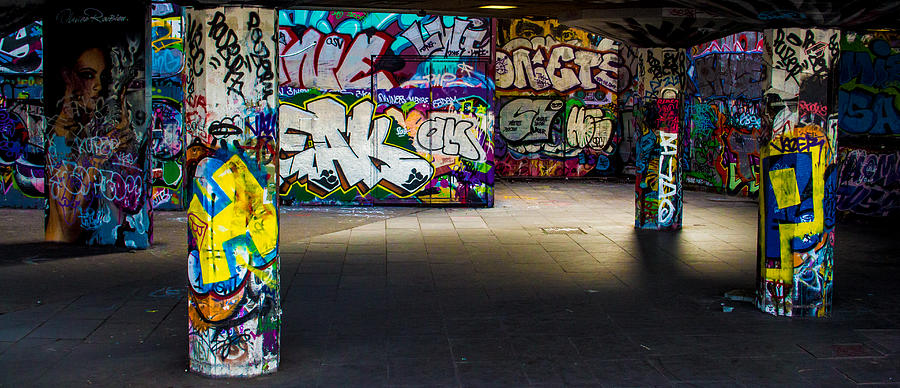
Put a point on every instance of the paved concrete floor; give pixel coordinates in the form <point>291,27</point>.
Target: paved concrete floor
<point>464,297</point>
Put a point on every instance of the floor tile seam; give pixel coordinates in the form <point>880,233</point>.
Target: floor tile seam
<point>848,377</point>
<point>57,312</point>
<point>673,378</point>
<point>158,324</point>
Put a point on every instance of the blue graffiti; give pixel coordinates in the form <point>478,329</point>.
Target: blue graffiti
<point>802,212</point>
<point>862,112</point>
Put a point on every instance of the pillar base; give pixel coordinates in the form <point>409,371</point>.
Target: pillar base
<point>224,371</point>
<point>659,229</point>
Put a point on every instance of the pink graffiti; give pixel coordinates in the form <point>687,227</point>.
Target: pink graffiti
<point>333,61</point>
<point>813,108</point>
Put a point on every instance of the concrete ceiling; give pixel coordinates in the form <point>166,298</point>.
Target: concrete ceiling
<point>641,23</point>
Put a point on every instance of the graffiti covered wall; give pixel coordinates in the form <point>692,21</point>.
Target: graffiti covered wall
<point>869,123</point>
<point>234,312</point>
<point>628,126</point>
<point>383,108</point>
<point>97,103</point>
<point>557,88</point>
<point>21,141</point>
<point>869,84</point>
<point>168,137</point>
<point>869,182</point>
<point>22,52</point>
<point>22,118</point>
<point>798,173</point>
<point>723,96</point>
<point>658,114</point>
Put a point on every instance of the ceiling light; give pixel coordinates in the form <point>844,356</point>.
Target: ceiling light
<point>498,6</point>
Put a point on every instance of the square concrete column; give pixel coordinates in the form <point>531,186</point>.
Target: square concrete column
<point>658,111</point>
<point>798,174</point>
<point>234,311</point>
<point>97,138</point>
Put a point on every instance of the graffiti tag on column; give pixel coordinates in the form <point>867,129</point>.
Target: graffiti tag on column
<point>795,54</point>
<point>667,171</point>
<point>229,56</point>
<point>668,114</point>
<point>195,55</point>
<point>260,57</point>
<point>672,64</point>
<point>803,143</point>
<point>668,180</point>
<point>327,146</point>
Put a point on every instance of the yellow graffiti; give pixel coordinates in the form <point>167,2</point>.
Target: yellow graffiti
<point>172,36</point>
<point>784,183</point>
<point>248,213</point>
<point>528,28</point>
<point>820,160</point>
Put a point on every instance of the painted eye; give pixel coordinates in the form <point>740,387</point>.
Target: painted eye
<point>86,75</point>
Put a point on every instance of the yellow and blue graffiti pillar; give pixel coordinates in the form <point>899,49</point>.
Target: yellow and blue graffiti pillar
<point>798,173</point>
<point>234,308</point>
<point>658,111</point>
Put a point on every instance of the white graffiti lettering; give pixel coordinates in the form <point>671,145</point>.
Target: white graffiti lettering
<point>588,128</point>
<point>329,146</point>
<point>451,135</point>
<point>98,145</point>
<point>466,37</point>
<point>522,64</point>
<point>310,62</point>
<point>667,170</point>
<point>72,180</point>
<point>92,219</point>
<point>391,99</point>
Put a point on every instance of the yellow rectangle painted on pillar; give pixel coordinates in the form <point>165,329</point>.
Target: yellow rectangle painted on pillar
<point>214,267</point>
<point>784,184</point>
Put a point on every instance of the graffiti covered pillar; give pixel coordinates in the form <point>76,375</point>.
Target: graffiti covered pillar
<point>234,313</point>
<point>167,144</point>
<point>97,103</point>
<point>798,172</point>
<point>659,145</point>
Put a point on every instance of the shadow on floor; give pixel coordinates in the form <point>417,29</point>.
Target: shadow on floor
<point>658,251</point>
<point>43,251</point>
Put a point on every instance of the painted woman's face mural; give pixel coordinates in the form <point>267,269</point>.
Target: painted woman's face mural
<point>98,170</point>
<point>83,81</point>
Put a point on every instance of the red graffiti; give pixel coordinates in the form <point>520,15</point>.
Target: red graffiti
<point>196,108</point>
<point>333,61</point>
<point>812,108</point>
<point>668,114</point>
